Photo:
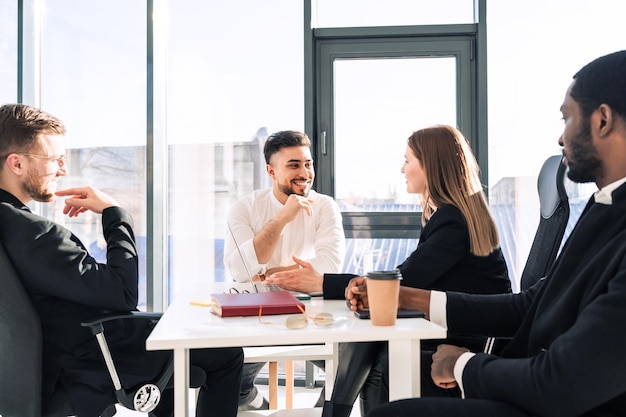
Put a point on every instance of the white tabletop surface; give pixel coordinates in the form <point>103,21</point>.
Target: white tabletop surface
<point>189,326</point>
<point>185,326</point>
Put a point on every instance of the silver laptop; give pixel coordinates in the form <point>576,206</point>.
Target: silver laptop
<point>261,286</point>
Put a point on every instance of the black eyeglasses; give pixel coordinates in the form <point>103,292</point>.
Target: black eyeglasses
<point>233,290</point>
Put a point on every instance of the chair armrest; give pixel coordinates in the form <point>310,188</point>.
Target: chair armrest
<point>96,323</point>
<point>144,398</point>
<point>138,398</point>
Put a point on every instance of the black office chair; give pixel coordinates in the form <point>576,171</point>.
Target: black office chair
<point>20,347</point>
<point>20,358</point>
<point>554,210</point>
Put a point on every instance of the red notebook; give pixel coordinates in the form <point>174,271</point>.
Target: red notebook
<point>248,304</point>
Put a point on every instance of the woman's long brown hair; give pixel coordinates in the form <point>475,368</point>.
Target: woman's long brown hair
<point>452,178</point>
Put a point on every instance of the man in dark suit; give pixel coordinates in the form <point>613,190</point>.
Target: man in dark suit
<point>567,353</point>
<point>68,286</point>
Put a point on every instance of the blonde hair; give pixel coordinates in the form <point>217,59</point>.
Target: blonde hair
<point>452,178</point>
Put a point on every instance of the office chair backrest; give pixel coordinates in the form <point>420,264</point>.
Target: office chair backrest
<point>554,208</point>
<point>20,346</point>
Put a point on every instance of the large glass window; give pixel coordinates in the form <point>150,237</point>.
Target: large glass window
<point>8,51</point>
<point>373,92</point>
<point>532,58</point>
<point>93,77</point>
<point>233,78</point>
<point>381,102</point>
<point>352,13</point>
<point>378,104</point>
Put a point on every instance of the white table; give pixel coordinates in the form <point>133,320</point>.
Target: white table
<point>185,326</point>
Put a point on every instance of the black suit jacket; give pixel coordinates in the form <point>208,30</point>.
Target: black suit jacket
<point>68,286</point>
<point>443,261</point>
<point>568,353</point>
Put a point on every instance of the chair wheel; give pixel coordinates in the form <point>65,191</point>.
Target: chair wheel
<point>147,398</point>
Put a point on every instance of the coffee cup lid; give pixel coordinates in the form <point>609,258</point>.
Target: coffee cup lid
<point>393,274</point>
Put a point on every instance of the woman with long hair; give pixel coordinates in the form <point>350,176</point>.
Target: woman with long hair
<point>458,250</point>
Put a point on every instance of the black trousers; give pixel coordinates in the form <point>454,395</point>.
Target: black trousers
<point>445,407</point>
<point>363,369</point>
<point>439,402</point>
<point>220,393</point>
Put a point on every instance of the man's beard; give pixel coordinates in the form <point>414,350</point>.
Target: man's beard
<point>34,188</point>
<point>583,164</point>
<point>288,190</point>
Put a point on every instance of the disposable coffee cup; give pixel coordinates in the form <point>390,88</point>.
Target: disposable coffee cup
<point>383,289</point>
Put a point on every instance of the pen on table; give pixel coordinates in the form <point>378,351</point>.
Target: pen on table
<point>202,303</point>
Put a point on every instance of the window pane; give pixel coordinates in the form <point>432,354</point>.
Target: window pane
<point>353,13</point>
<point>364,255</point>
<point>378,104</point>
<point>8,51</point>
<point>232,78</point>
<point>94,79</point>
<point>532,58</point>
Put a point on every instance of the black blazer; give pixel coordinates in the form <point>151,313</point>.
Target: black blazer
<point>568,353</point>
<point>67,286</point>
<point>443,261</point>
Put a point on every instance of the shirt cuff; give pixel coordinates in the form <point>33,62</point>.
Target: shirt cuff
<point>437,313</point>
<point>459,366</point>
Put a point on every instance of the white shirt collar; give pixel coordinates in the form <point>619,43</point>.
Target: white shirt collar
<point>605,194</point>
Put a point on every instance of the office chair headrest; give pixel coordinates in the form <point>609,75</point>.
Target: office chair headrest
<point>550,186</point>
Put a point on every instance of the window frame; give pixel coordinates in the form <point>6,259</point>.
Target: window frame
<point>327,44</point>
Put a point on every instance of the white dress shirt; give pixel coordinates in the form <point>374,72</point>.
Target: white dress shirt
<point>318,239</point>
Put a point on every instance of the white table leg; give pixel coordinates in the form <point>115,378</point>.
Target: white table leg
<point>404,369</point>
<point>181,382</point>
<point>330,371</point>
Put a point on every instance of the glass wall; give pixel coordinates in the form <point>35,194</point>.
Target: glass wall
<point>532,58</point>
<point>352,13</point>
<point>8,51</point>
<point>233,79</point>
<point>93,77</point>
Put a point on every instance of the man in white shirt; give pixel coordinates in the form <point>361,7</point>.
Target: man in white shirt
<point>284,228</point>
<point>566,354</point>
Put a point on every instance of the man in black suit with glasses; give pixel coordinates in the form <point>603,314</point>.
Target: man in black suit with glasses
<point>68,286</point>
